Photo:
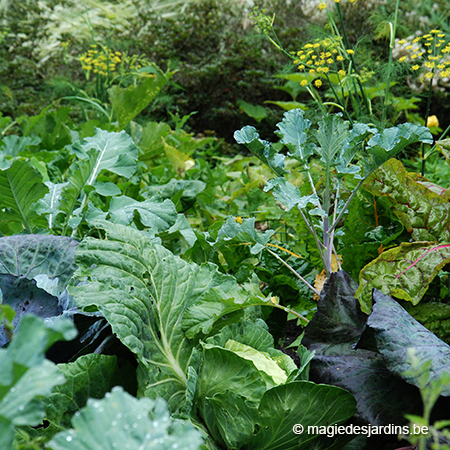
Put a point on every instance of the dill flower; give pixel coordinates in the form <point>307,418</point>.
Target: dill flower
<point>303,83</point>
<point>318,83</point>
<point>427,54</point>
<point>322,6</point>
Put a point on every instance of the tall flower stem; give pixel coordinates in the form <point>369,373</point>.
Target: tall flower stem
<point>427,114</point>
<point>393,27</point>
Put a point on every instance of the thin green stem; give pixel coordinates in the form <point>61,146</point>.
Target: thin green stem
<point>336,221</point>
<point>311,229</point>
<point>293,271</point>
<point>347,46</point>
<point>338,100</point>
<point>427,114</point>
<point>433,149</point>
<point>393,27</point>
<point>291,311</point>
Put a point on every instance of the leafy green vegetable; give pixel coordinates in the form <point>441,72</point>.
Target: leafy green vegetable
<point>128,102</point>
<point>396,332</point>
<point>405,271</point>
<point>340,356</point>
<point>262,149</point>
<point>36,256</point>
<point>20,187</point>
<point>424,213</point>
<point>243,405</point>
<point>144,291</point>
<point>152,213</point>
<point>34,272</point>
<point>90,376</point>
<point>120,420</point>
<point>342,150</point>
<point>25,375</point>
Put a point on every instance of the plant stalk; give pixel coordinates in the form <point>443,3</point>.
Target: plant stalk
<point>293,271</point>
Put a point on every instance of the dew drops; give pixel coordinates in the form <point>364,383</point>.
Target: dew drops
<point>68,438</point>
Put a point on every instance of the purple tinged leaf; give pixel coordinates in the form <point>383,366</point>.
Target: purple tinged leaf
<point>332,334</point>
<point>396,332</point>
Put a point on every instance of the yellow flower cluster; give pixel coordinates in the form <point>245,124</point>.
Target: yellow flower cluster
<point>323,5</point>
<point>322,57</point>
<point>430,53</point>
<point>101,60</point>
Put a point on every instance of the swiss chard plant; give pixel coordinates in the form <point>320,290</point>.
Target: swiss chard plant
<point>406,271</point>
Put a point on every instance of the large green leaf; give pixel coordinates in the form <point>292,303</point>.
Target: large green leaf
<point>79,174</point>
<point>115,152</point>
<point>128,102</point>
<point>332,334</point>
<point>289,195</point>
<point>261,149</point>
<point>219,302</point>
<point>292,130</point>
<point>49,204</point>
<point>26,376</point>
<point>333,136</point>
<point>122,421</point>
<point>385,145</point>
<point>405,272</point>
<point>299,402</point>
<point>159,215</point>
<point>34,256</point>
<point>424,213</point>
<point>144,291</point>
<point>396,332</point>
<point>21,186</point>
<point>90,376</point>
<point>240,411</point>
<point>151,142</point>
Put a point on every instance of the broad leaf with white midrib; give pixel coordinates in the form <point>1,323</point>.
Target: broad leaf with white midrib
<point>144,291</point>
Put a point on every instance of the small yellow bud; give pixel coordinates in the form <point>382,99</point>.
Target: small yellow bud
<point>432,121</point>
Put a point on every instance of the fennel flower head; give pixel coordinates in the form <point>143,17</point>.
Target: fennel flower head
<point>429,58</point>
